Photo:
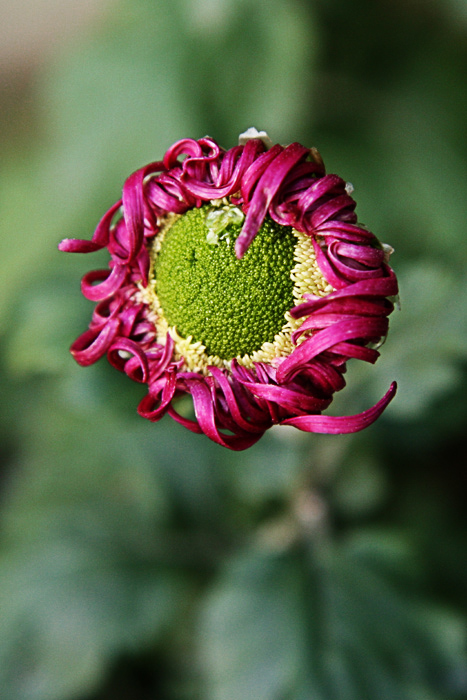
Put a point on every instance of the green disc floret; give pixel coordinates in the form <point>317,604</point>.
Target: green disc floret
<point>232,306</point>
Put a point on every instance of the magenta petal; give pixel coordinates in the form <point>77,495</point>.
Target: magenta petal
<point>111,282</point>
<point>187,423</point>
<point>163,361</point>
<point>188,147</point>
<point>228,180</point>
<point>233,404</point>
<point>99,240</point>
<point>133,212</point>
<point>290,399</point>
<point>322,187</point>
<point>167,194</point>
<point>361,328</point>
<point>266,188</point>
<point>345,231</point>
<point>382,286</point>
<point>331,209</point>
<point>330,316</point>
<point>204,411</point>
<point>338,425</point>
<point>364,254</point>
<point>324,377</point>
<point>136,366</point>
<point>325,264</point>
<point>75,245</point>
<point>256,170</point>
<point>93,343</point>
<point>358,352</point>
<point>155,405</point>
<point>358,267</point>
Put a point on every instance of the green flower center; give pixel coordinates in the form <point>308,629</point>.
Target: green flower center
<point>231,306</point>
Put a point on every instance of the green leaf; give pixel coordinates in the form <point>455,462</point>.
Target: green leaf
<point>84,572</point>
<point>251,637</point>
<point>318,623</point>
<point>67,611</point>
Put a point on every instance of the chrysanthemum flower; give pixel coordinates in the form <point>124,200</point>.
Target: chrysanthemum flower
<point>243,279</point>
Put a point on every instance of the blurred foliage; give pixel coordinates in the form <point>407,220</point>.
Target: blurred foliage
<point>141,561</point>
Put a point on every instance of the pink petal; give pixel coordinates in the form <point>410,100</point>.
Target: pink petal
<point>361,328</point>
<point>382,286</point>
<point>233,404</point>
<point>136,367</point>
<point>256,170</point>
<point>188,147</point>
<point>155,405</point>
<point>290,399</point>
<point>204,411</point>
<point>99,240</point>
<point>338,425</point>
<point>266,188</point>
<point>112,281</point>
<point>94,343</point>
<point>133,212</point>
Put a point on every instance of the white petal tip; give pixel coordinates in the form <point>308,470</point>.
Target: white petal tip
<point>253,133</point>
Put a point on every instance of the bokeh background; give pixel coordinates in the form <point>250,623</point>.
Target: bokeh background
<point>139,561</point>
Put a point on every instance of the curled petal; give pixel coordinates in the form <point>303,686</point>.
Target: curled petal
<point>266,188</point>
<point>133,212</point>
<point>356,267</point>
<point>254,408</point>
<point>325,378</point>
<point>168,194</point>
<point>204,411</point>
<point>345,231</point>
<point>361,254</point>
<point>256,170</point>
<point>229,177</point>
<point>332,209</point>
<point>366,328</point>
<point>162,361</point>
<point>188,147</point>
<point>318,321</point>
<point>380,287</point>
<point>203,162</point>
<point>128,317</point>
<point>358,352</point>
<point>100,238</point>
<point>251,426</point>
<point>94,343</point>
<point>191,425</point>
<point>106,309</point>
<point>338,425</point>
<point>127,356</point>
<point>76,245</point>
<point>313,202</point>
<point>290,399</point>
<point>155,405</point>
<point>111,282</point>
<point>333,276</point>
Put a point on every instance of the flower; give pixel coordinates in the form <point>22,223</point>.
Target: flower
<point>243,279</point>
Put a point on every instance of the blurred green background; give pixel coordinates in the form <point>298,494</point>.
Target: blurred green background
<point>139,561</point>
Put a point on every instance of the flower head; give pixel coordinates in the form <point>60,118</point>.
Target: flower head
<point>243,279</point>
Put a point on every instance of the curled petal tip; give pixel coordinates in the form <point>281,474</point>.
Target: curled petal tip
<point>340,425</point>
<point>241,245</point>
